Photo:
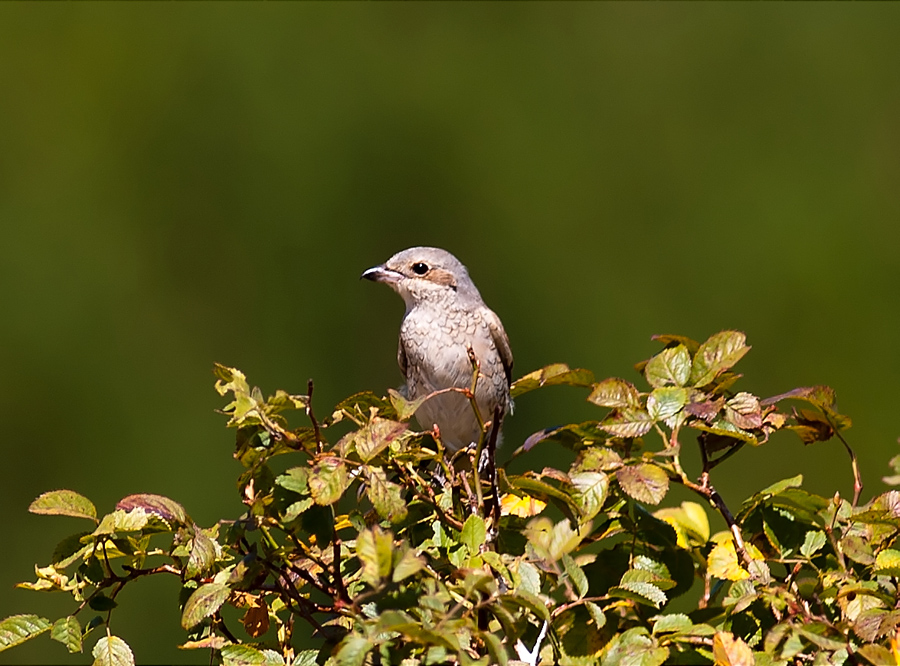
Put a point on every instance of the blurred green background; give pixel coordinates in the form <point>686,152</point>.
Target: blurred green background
<point>184,184</point>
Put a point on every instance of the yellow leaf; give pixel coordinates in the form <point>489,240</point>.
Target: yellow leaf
<point>524,507</point>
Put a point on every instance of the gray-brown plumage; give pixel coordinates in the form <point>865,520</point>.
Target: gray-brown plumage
<point>445,317</point>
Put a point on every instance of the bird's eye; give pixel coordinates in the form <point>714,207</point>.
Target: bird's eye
<point>419,268</point>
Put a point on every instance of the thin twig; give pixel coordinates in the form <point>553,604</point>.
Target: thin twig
<point>854,463</point>
<point>312,417</point>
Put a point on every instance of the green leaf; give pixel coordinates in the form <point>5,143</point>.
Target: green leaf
<point>101,603</point>
<point>64,503</point>
<point>473,534</point>
<point>295,480</point>
<point>377,435</point>
<point>495,649</point>
<point>596,614</point>
<point>627,422</point>
<point>644,482</point>
<point>576,576</point>
<point>670,366</point>
<point>374,549</point>
<point>405,407</point>
<point>205,601</point>
<point>887,563</point>
<point>615,392</point>
<point>716,355</point>
<point>242,655</point>
<point>589,492</point>
<point>67,630</point>
<point>112,651</point>
<point>635,648</point>
<point>408,565</point>
<point>203,554</point>
<point>169,510</point>
<point>385,496</point>
<point>306,658</point>
<point>328,479</point>
<point>665,402</point>
<point>542,491</point>
<point>551,375</point>
<point>676,622</point>
<point>17,629</point>
<point>812,543</point>
<point>352,651</point>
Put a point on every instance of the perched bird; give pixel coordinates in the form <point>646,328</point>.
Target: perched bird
<point>445,318</point>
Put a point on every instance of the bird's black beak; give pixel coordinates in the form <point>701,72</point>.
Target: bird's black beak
<point>381,274</point>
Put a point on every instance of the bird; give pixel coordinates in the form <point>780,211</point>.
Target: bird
<point>445,326</point>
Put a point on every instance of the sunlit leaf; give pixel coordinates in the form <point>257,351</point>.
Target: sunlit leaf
<point>242,655</point>
<point>20,628</point>
<point>205,601</point>
<point>731,651</point>
<point>551,375</point>
<point>352,651</point>
<point>670,366</point>
<point>169,510</point>
<point>374,548</point>
<point>328,479</point>
<point>64,503</point>
<point>627,422</point>
<point>719,353</point>
<point>615,392</point>
<point>67,630</point>
<point>385,495</point>
<point>473,534</point>
<point>812,543</point>
<point>524,507</point>
<point>376,436</point>
<point>644,482</point>
<point>665,402</point>
<point>690,521</point>
<point>112,651</point>
<point>589,491</point>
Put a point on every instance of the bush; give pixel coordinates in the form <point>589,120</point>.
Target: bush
<point>382,547</point>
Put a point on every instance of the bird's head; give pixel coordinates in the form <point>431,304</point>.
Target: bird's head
<point>424,274</point>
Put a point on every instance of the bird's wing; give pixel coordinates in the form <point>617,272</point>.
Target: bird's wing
<point>401,357</point>
<point>501,341</point>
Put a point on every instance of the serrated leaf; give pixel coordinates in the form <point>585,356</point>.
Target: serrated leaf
<point>473,534</point>
<point>597,614</point>
<point>352,651</point>
<point>67,630</point>
<point>675,622</point>
<point>306,658</point>
<point>328,479</point>
<point>374,548</point>
<point>887,562</point>
<point>670,366</point>
<point>644,482</point>
<point>627,422</point>
<point>112,651</point>
<point>723,562</point>
<point>615,392</point>
<point>719,353</point>
<point>589,492</point>
<point>731,651</point>
<point>169,510</point>
<point>385,496</point>
<point>294,479</point>
<point>242,655</point>
<point>378,435</point>
<point>666,402</point>
<point>812,543</point>
<point>635,648</point>
<point>205,601</point>
<point>743,411</point>
<point>203,554</point>
<point>644,593</point>
<point>64,503</point>
<point>551,375</point>
<point>17,629</point>
<point>576,576</point>
<point>408,565</point>
<point>529,580</point>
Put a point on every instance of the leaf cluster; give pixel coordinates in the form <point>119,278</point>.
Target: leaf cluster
<point>364,541</point>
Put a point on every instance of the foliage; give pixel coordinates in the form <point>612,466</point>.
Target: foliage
<point>376,545</point>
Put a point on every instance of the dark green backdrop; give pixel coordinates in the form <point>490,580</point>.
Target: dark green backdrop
<point>184,184</point>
